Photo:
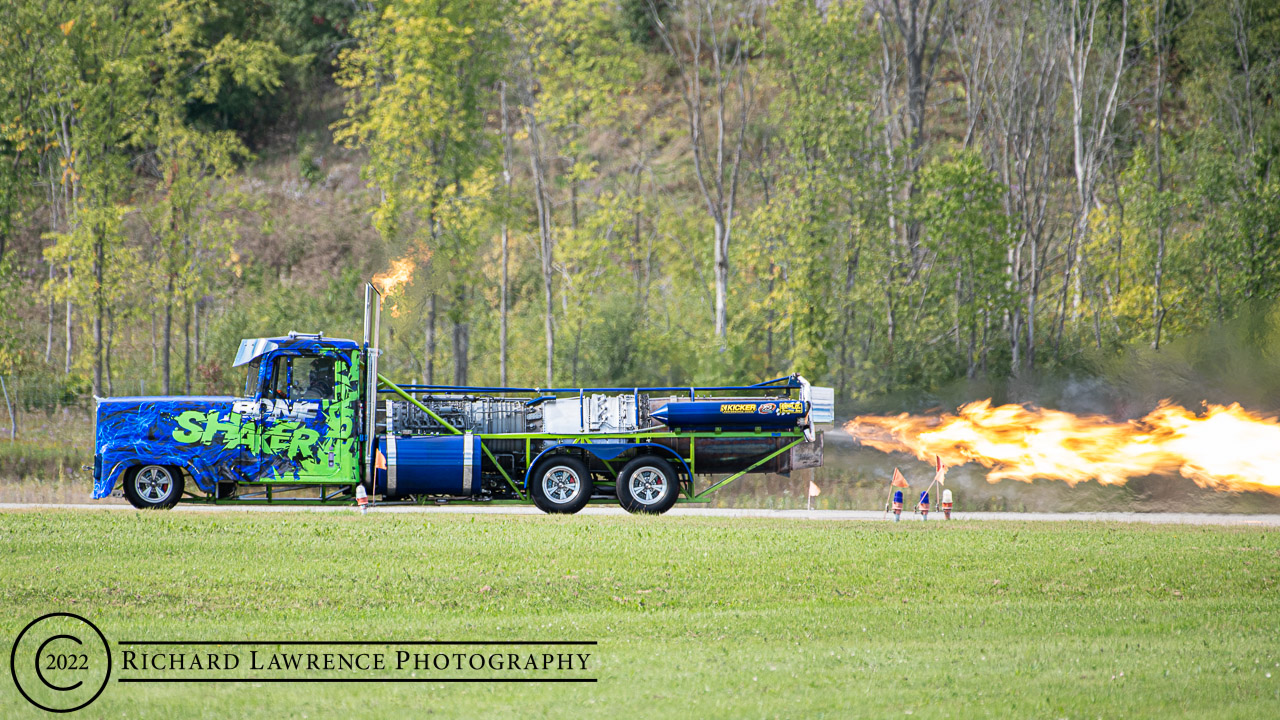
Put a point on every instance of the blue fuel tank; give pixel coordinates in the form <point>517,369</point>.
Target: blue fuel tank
<point>711,414</point>
<point>434,465</point>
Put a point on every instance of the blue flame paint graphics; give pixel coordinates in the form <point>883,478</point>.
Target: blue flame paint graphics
<point>700,414</point>
<point>227,439</point>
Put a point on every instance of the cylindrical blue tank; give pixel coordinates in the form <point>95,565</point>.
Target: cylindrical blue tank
<point>433,465</point>
<point>711,414</point>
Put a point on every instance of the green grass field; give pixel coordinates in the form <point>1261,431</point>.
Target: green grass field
<point>694,617</point>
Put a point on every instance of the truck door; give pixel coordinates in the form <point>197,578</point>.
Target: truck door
<point>306,423</point>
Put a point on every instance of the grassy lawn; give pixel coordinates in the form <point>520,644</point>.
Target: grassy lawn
<point>695,617</point>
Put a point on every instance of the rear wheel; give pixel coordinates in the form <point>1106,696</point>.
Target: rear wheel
<point>648,485</point>
<point>153,486</point>
<point>561,484</point>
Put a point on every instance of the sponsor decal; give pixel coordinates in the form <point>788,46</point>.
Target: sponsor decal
<point>738,408</point>
<point>296,410</point>
<point>767,408</point>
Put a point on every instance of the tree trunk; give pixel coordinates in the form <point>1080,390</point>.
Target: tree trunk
<point>13,419</point>
<point>1157,302</point>
<point>429,356</point>
<point>48,336</point>
<point>66,365</point>
<point>186,347</point>
<point>111,334</point>
<point>722,280</point>
<point>196,321</point>
<point>461,337</point>
<point>166,374</point>
<point>506,182</point>
<point>99,260</point>
<point>548,268</point>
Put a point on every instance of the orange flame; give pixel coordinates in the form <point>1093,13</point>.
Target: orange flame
<point>400,273</point>
<point>1225,448</point>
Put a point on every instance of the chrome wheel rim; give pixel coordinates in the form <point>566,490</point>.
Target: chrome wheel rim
<point>154,484</point>
<point>561,484</point>
<point>648,485</point>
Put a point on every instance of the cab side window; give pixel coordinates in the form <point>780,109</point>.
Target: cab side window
<point>278,383</point>
<point>301,378</point>
<point>312,379</point>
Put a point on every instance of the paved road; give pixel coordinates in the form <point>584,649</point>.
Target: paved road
<point>863,515</point>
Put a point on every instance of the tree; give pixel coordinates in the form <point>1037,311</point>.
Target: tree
<point>805,240</point>
<point>420,81</point>
<point>923,27</point>
<point>1094,101</point>
<point>723,34</point>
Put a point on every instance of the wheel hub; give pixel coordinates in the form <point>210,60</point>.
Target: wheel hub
<point>648,485</point>
<point>561,484</point>
<point>154,484</point>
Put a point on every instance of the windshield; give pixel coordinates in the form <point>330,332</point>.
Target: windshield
<point>251,378</point>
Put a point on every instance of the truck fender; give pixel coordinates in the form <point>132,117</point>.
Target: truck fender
<point>608,451</point>
<point>192,466</point>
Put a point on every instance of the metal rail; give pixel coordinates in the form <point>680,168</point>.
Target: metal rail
<point>791,383</point>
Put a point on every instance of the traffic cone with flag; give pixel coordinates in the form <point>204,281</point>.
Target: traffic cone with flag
<point>939,479</point>
<point>896,495</point>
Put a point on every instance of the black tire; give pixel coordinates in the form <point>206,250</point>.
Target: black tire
<point>561,484</point>
<point>656,487</point>
<point>153,487</point>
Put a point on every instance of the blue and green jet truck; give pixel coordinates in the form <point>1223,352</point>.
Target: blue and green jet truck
<point>317,424</point>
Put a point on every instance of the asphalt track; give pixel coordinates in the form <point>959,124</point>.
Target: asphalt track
<point>829,515</point>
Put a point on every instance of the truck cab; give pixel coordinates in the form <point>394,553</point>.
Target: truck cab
<point>292,428</point>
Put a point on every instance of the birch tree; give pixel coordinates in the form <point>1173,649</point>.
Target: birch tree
<point>712,43</point>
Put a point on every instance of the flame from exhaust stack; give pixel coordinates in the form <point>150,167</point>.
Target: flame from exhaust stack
<point>1225,448</point>
<point>400,273</point>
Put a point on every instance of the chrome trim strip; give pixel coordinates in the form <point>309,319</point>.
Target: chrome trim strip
<point>468,485</point>
<point>391,466</point>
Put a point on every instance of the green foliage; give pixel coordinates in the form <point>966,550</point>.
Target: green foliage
<point>293,44</point>
<point>804,245</point>
<point>332,305</point>
<point>419,79</point>
<point>124,162</point>
<point>308,166</point>
<point>639,18</point>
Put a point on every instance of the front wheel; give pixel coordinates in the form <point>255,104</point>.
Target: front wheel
<point>153,487</point>
<point>561,484</point>
<point>648,485</point>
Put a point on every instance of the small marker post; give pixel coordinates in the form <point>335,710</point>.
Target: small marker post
<point>362,499</point>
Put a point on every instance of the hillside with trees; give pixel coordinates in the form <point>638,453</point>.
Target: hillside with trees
<point>887,197</point>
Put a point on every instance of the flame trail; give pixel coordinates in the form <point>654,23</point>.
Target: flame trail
<point>1225,448</point>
